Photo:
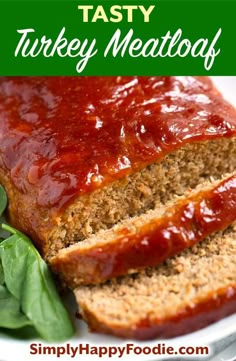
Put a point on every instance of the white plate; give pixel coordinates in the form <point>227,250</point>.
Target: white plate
<point>12,349</point>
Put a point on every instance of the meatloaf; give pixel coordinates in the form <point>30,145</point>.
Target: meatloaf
<point>79,154</point>
<point>183,294</point>
<point>149,239</point>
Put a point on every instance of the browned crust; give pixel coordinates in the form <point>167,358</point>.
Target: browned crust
<point>212,308</point>
<point>23,214</point>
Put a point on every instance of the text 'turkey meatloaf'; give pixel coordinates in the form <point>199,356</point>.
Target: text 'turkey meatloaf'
<point>79,154</point>
<point>149,239</point>
<point>186,293</point>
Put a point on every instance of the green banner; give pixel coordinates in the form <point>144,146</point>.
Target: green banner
<point>159,37</point>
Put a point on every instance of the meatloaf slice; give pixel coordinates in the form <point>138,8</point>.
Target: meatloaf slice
<point>79,154</point>
<point>185,293</point>
<point>149,239</point>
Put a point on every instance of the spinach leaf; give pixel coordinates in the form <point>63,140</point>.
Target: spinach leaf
<point>1,274</point>
<point>3,200</point>
<point>29,280</point>
<point>25,333</point>
<point>10,313</point>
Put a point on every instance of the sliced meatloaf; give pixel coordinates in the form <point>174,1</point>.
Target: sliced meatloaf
<point>151,238</point>
<point>183,294</point>
<point>79,154</point>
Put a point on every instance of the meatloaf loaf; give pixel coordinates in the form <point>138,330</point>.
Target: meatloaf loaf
<point>185,293</point>
<point>149,239</point>
<point>79,154</point>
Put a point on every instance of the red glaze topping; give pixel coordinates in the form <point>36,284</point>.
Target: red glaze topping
<point>64,136</point>
<point>185,224</point>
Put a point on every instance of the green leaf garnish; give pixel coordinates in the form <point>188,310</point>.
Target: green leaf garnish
<point>10,313</point>
<point>28,296</point>
<point>3,200</point>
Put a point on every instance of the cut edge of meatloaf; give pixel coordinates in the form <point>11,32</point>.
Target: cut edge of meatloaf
<point>157,183</point>
<point>150,238</point>
<point>185,293</point>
